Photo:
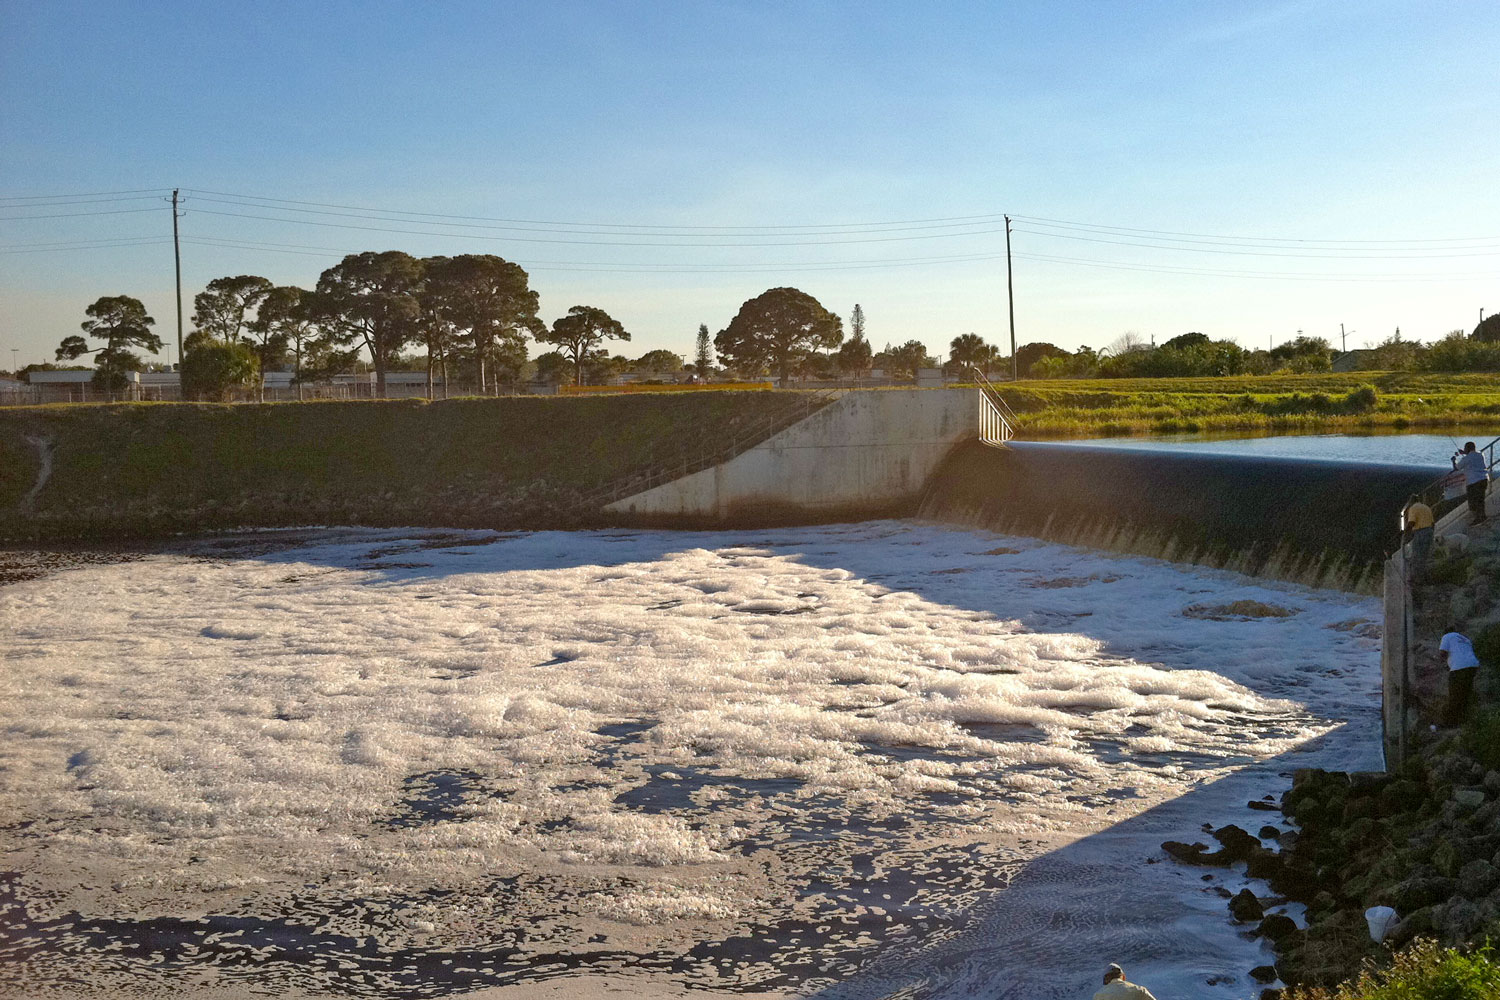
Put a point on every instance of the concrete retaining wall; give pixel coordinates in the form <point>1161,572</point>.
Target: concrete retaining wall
<point>869,453</point>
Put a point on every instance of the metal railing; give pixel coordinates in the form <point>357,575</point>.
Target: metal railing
<point>666,468</point>
<point>997,422</point>
<point>1433,493</point>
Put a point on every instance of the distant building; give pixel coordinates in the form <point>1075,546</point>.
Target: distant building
<point>1354,361</point>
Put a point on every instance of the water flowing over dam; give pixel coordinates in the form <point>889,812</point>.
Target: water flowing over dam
<point>1327,522</point>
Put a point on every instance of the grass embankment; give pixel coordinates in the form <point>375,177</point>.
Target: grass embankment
<point>1422,972</point>
<point>1272,404</point>
<point>150,469</point>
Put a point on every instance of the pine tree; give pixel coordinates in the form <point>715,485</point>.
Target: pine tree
<point>703,361</point>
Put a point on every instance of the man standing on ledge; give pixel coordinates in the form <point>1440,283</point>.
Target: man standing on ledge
<point>1116,988</point>
<point>1477,477</point>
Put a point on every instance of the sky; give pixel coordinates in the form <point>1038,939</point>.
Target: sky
<point>1248,170</point>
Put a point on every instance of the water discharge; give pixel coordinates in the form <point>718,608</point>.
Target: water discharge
<point>883,759</point>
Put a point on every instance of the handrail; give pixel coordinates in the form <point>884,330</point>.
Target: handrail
<point>1003,412</point>
<point>1432,493</point>
<point>686,462</point>
<point>989,390</point>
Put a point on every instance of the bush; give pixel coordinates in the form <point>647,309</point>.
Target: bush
<point>1452,571</point>
<point>1361,400</point>
<point>1481,738</point>
<point>1422,972</point>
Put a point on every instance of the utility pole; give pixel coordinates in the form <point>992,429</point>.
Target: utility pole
<point>1343,347</point>
<point>177,259</point>
<point>1010,290</point>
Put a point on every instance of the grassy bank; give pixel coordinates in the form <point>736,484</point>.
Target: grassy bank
<point>1267,404</point>
<point>158,468</point>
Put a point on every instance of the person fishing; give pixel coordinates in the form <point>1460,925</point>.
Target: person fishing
<point>1470,461</point>
<point>1418,523</point>
<point>1116,987</point>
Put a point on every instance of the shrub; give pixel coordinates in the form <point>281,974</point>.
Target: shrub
<point>1422,972</point>
<point>1452,571</point>
<point>1361,400</point>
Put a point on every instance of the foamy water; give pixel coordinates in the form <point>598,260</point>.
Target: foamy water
<point>868,760</point>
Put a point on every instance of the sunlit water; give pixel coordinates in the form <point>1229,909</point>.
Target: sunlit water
<point>1413,450</point>
<point>883,759</point>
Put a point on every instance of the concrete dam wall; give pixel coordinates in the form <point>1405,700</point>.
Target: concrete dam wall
<point>869,454</point>
<point>1330,523</point>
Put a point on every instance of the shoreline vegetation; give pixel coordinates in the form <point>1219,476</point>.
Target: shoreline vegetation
<point>1353,402</point>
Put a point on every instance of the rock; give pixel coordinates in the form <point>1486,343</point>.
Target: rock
<point>1399,796</point>
<point>1296,880</point>
<point>1245,907</point>
<point>1446,859</point>
<point>1264,974</point>
<point>1478,879</point>
<point>1469,798</point>
<point>1270,995</point>
<point>1277,927</point>
<point>1264,865</point>
<point>1269,833</point>
<point>1188,854</point>
<point>1418,892</point>
<point>1492,782</point>
<point>1238,845</point>
<point>1264,806</point>
<point>1357,833</point>
<point>1458,918</point>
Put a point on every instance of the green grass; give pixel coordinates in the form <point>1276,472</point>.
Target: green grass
<point>1422,972</point>
<point>161,467</point>
<point>1268,404</point>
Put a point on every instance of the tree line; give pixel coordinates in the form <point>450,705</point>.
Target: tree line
<point>473,314</point>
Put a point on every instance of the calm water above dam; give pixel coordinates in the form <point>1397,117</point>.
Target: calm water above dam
<point>1411,450</point>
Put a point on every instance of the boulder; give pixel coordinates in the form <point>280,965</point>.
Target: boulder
<point>1469,798</point>
<point>1264,974</point>
<point>1277,927</point>
<point>1189,854</point>
<point>1418,892</point>
<point>1478,879</point>
<point>1237,844</point>
<point>1245,907</point>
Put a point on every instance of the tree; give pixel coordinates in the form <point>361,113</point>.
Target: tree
<point>703,358</point>
<point>222,310</point>
<point>854,355</point>
<point>286,321</point>
<point>212,368</point>
<point>487,305</point>
<point>121,322</point>
<point>552,367</point>
<point>580,334</point>
<point>1028,354</point>
<point>368,299</point>
<point>904,361</point>
<point>1186,340</point>
<point>1488,330</point>
<point>777,329</point>
<point>968,350</point>
<point>1304,354</point>
<point>657,361</point>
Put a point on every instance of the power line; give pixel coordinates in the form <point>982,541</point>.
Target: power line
<point>955,220</point>
<point>1243,239</point>
<point>74,215</point>
<point>1361,255</point>
<point>607,243</point>
<point>85,194</point>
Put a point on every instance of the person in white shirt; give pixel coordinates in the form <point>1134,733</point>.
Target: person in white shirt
<point>1463,667</point>
<point>1471,463</point>
<point>1116,988</point>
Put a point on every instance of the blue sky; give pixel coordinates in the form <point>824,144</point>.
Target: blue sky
<point>1363,131</point>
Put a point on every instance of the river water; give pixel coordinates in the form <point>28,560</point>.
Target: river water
<point>888,759</point>
<point>1411,450</point>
